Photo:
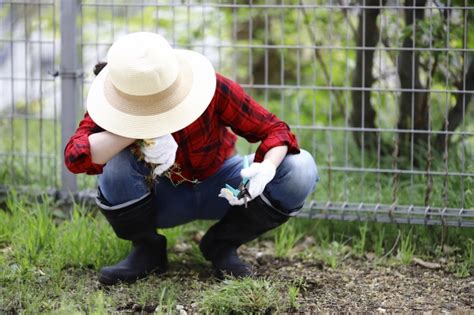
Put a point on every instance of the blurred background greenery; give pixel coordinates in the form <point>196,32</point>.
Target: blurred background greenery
<point>368,86</point>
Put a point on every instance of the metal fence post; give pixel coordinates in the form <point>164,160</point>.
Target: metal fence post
<point>69,73</point>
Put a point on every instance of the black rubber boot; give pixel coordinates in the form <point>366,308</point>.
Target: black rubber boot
<point>135,223</point>
<point>239,225</point>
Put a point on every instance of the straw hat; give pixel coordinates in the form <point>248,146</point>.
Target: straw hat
<point>149,89</point>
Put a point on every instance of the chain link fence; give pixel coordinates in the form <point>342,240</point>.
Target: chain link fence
<point>379,91</point>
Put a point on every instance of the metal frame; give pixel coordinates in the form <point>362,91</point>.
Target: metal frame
<point>79,47</point>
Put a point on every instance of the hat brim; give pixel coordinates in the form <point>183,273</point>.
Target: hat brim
<point>180,116</point>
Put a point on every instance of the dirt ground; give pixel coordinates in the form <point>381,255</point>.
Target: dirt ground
<point>361,286</point>
<point>354,285</point>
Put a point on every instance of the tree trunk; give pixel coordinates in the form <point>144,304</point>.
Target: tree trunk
<point>363,114</point>
<point>413,104</point>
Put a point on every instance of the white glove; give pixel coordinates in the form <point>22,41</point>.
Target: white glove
<point>259,174</point>
<point>233,200</point>
<point>160,151</point>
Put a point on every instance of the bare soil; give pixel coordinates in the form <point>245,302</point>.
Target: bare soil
<point>356,284</point>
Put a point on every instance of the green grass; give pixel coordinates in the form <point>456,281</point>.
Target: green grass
<point>242,297</point>
<point>406,249</point>
<point>360,242</point>
<point>286,237</point>
<point>49,263</point>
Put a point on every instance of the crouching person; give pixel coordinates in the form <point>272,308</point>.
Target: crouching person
<point>156,132</point>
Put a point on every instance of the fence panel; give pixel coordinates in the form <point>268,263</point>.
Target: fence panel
<point>29,107</point>
<point>379,91</point>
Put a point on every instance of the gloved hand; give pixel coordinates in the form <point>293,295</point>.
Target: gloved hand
<point>160,151</point>
<point>233,200</point>
<point>259,174</point>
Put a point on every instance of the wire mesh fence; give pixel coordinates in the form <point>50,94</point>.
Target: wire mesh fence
<point>379,91</point>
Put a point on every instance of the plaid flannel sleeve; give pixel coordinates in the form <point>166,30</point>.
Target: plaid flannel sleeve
<point>250,120</point>
<point>77,153</point>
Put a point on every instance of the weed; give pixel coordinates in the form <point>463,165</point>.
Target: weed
<point>331,253</point>
<point>166,302</point>
<point>241,296</point>
<point>293,293</point>
<point>45,263</point>
<point>406,249</point>
<point>360,243</point>
<point>379,242</point>
<point>463,270</point>
<point>97,304</point>
<point>34,236</point>
<point>82,239</point>
<point>286,236</point>
<point>161,298</point>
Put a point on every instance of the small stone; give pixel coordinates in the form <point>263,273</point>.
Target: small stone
<point>370,256</point>
<point>179,307</point>
<point>426,264</point>
<point>183,312</point>
<point>381,310</point>
<point>448,249</point>
<point>182,247</point>
<point>198,236</point>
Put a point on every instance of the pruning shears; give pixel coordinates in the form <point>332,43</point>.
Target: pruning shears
<point>241,191</point>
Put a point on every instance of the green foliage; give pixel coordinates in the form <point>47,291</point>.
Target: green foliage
<point>242,297</point>
<point>48,264</point>
<point>40,246</point>
<point>83,236</point>
<point>464,269</point>
<point>406,249</point>
<point>293,292</point>
<point>286,237</point>
<point>21,136</point>
<point>360,243</point>
<point>164,296</point>
<point>379,238</point>
<point>308,87</point>
<point>172,235</point>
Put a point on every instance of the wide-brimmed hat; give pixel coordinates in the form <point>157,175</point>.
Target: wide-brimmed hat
<point>149,89</point>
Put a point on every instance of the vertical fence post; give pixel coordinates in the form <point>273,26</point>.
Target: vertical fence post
<point>69,85</point>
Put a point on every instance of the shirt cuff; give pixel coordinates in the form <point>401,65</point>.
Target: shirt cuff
<point>287,138</point>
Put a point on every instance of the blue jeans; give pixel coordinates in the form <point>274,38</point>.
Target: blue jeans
<point>123,182</point>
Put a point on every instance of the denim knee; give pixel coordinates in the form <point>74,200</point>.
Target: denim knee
<point>123,178</point>
<point>295,180</point>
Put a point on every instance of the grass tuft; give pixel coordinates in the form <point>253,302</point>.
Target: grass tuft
<point>84,236</point>
<point>360,242</point>
<point>406,249</point>
<point>293,292</point>
<point>286,237</point>
<point>242,297</point>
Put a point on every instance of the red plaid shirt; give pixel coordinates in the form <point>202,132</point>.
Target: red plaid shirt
<point>207,142</point>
